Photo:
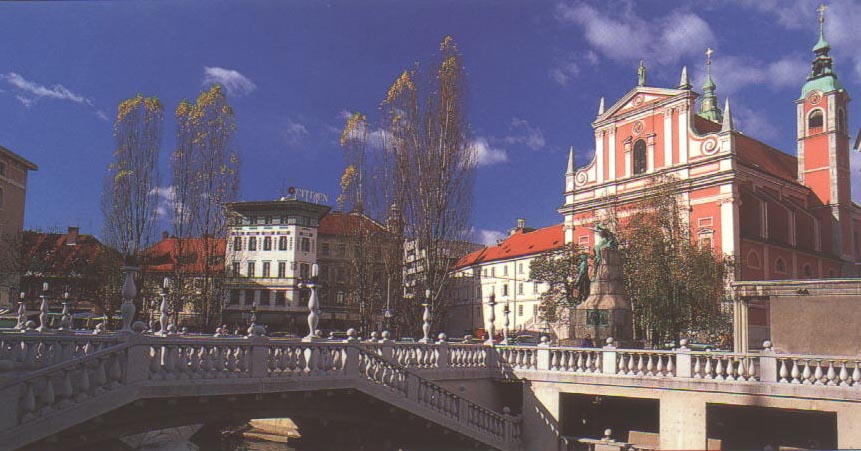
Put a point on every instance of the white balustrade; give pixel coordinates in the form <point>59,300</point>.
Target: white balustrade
<point>518,358</point>
<point>646,363</point>
<point>467,356</point>
<point>575,360</point>
<point>416,356</point>
<point>179,359</point>
<point>290,360</point>
<point>819,370</point>
<point>724,367</point>
<point>29,352</point>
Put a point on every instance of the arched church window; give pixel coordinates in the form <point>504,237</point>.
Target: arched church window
<point>808,271</point>
<point>780,265</point>
<point>814,122</point>
<point>753,259</point>
<point>639,157</point>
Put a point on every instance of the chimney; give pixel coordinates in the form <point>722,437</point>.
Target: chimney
<point>521,223</point>
<point>165,235</point>
<point>72,236</point>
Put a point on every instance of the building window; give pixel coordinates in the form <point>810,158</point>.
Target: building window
<point>520,268</point>
<point>237,243</point>
<point>520,288</point>
<point>342,249</point>
<point>814,122</point>
<point>252,220</point>
<point>2,169</point>
<point>779,265</point>
<point>234,297</point>
<point>841,121</point>
<point>830,273</point>
<point>267,243</point>
<point>493,272</point>
<point>252,243</point>
<point>280,297</point>
<point>753,260</point>
<point>282,243</point>
<point>505,289</point>
<point>249,297</point>
<point>520,310</point>
<point>534,287</point>
<point>535,311</point>
<point>268,220</point>
<point>266,269</point>
<point>306,245</point>
<point>339,298</point>
<point>282,270</point>
<point>304,270</point>
<point>325,248</point>
<point>505,270</point>
<point>639,157</point>
<point>808,271</point>
<point>251,269</point>
<point>235,269</point>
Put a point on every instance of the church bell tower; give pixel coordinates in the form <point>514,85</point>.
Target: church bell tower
<point>823,146</point>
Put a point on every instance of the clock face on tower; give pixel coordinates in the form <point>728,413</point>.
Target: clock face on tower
<point>814,97</point>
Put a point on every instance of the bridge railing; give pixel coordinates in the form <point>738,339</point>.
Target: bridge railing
<point>30,351</point>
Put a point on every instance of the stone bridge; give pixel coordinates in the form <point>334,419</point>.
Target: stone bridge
<point>64,391</point>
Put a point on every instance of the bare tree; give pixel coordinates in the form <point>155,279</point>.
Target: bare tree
<point>430,170</point>
<point>205,177</point>
<point>128,200</point>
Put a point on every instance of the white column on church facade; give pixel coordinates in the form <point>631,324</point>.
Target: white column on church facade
<point>599,156</point>
<point>668,137</point>
<point>684,112</point>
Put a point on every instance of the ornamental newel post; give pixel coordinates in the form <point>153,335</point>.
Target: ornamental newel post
<point>129,291</point>
<point>22,313</point>
<point>491,318</point>
<point>426,319</point>
<point>505,312</point>
<point>165,313</point>
<point>313,305</point>
<point>43,309</point>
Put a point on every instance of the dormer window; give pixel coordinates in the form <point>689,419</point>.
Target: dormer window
<point>814,122</point>
<point>639,157</point>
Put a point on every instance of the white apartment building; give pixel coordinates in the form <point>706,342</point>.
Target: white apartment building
<point>502,273</point>
<point>271,247</point>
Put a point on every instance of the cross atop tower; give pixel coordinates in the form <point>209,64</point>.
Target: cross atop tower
<point>821,10</point>
<point>709,53</point>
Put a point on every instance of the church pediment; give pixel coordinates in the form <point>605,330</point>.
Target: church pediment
<point>637,98</point>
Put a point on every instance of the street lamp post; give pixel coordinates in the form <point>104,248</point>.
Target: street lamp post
<point>505,312</point>
<point>491,329</point>
<point>66,318</point>
<point>22,312</point>
<point>43,309</point>
<point>313,305</point>
<point>165,313</point>
<point>426,319</point>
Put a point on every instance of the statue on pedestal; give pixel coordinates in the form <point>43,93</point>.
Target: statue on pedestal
<point>607,311</point>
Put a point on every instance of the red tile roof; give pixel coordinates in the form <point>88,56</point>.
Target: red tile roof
<point>517,245</point>
<point>56,253</point>
<point>765,158</point>
<point>163,256</point>
<point>337,223</point>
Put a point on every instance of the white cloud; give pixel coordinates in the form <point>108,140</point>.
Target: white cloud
<point>623,36</point>
<point>489,237</point>
<point>165,198</point>
<point>754,123</point>
<point>733,74</point>
<point>30,92</point>
<point>486,154</point>
<point>521,132</point>
<point>234,83</point>
<point>571,65</point>
<point>295,132</point>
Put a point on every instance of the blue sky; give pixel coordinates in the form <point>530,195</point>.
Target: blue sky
<point>536,72</point>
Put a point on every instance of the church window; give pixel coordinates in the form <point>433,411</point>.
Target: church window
<point>814,122</point>
<point>779,265</point>
<point>830,273</point>
<point>706,238</point>
<point>808,271</point>
<point>639,157</point>
<point>753,260</point>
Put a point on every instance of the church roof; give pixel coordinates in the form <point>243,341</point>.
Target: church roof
<point>758,155</point>
<point>338,223</point>
<point>518,244</point>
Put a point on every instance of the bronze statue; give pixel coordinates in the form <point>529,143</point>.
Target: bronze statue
<point>582,282</point>
<point>606,239</point>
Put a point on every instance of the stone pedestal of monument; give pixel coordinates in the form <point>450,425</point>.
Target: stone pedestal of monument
<point>607,311</point>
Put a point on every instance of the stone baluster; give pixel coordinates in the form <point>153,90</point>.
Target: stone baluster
<point>313,306</point>
<point>22,312</point>
<point>43,310</point>
<point>491,320</point>
<point>163,308</point>
<point>129,291</point>
<point>506,312</point>
<point>426,324</point>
